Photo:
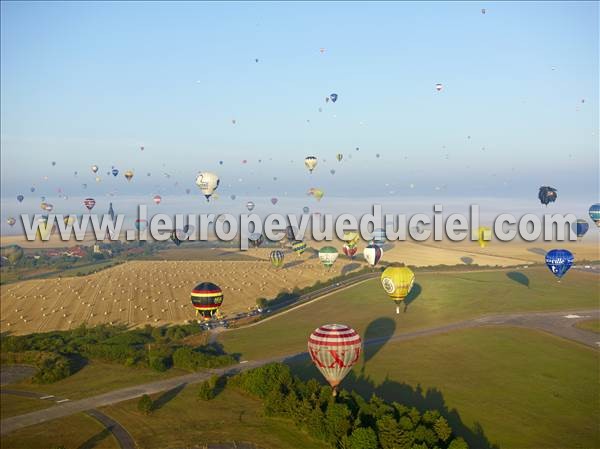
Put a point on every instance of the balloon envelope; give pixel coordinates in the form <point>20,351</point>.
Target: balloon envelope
<point>595,213</point>
<point>559,261</point>
<point>206,299</point>
<point>397,283</point>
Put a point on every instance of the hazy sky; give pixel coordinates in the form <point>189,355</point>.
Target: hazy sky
<point>85,83</point>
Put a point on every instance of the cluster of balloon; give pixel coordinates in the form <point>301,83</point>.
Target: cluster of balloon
<point>559,261</point>
<point>298,246</point>
<point>207,182</point>
<point>580,227</point>
<point>595,213</point>
<point>276,258</point>
<point>207,298</point>
<point>547,195</point>
<point>372,254</point>
<point>334,349</point>
<point>310,162</point>
<point>484,235</point>
<point>397,283</point>
<point>256,239</point>
<point>89,203</point>
<point>328,255</point>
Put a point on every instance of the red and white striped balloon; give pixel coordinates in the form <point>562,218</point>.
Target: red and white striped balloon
<point>89,203</point>
<point>334,349</point>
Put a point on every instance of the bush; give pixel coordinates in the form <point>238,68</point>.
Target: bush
<point>145,404</point>
<point>206,391</point>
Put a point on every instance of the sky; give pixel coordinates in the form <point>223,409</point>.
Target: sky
<point>90,83</point>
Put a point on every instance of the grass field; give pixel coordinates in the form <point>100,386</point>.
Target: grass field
<point>589,325</point>
<point>11,405</point>
<point>185,421</point>
<point>523,389</point>
<point>74,432</point>
<point>96,378</point>
<point>436,299</point>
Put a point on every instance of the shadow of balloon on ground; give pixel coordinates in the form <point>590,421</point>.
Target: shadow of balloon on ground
<point>350,267</point>
<point>538,251</point>
<point>390,390</point>
<point>95,440</point>
<point>376,335</point>
<point>293,263</point>
<point>167,396</point>
<point>466,260</point>
<point>518,277</point>
<point>414,293</point>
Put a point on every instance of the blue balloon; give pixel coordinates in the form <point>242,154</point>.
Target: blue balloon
<point>559,261</point>
<point>580,227</point>
<point>547,195</point>
<point>595,213</point>
<point>20,198</point>
<point>333,97</point>
<point>115,172</point>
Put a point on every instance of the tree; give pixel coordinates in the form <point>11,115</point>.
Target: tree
<point>442,429</point>
<point>458,443</point>
<point>338,420</point>
<point>261,303</point>
<point>206,392</point>
<point>362,438</point>
<point>145,404</point>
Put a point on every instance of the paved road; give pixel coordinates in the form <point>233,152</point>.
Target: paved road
<point>122,436</point>
<point>555,323</point>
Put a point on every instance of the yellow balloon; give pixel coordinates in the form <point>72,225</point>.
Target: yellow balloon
<point>485,235</point>
<point>397,283</point>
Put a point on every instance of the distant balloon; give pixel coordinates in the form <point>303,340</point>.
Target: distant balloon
<point>559,261</point>
<point>233,197</point>
<point>89,203</point>
<point>339,157</point>
<point>256,239</point>
<point>141,148</point>
<point>141,224</point>
<point>11,221</point>
<point>115,172</point>
<point>594,212</point>
<point>321,50</point>
<point>84,186</point>
<point>256,60</point>
<point>333,97</point>
<point>332,171</point>
<point>220,162</point>
<point>95,168</point>
<point>298,246</point>
<point>484,236</point>
<point>328,255</point>
<point>482,10</point>
<point>372,254</point>
<point>350,250</point>
<point>306,209</point>
<point>250,206</point>
<point>233,121</point>
<point>208,183</point>
<point>334,349</point>
<point>310,162</point>
<point>377,155</point>
<point>276,258</point>
<point>20,198</point>
<point>274,201</point>
<point>547,195</point>
<point>53,163</point>
<point>32,189</point>
<point>157,199</point>
<point>175,237</point>
<point>439,87</point>
<point>580,227</point>
<point>245,161</point>
<point>316,193</point>
<point>187,191</point>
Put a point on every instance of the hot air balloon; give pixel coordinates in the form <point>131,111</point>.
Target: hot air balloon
<point>276,258</point>
<point>328,255</point>
<point>482,10</point>
<point>439,87</point>
<point>298,246</point>
<point>89,203</point>
<point>547,195</point>
<point>332,171</point>
<point>48,207</point>
<point>53,163</point>
<point>206,299</point>
<point>220,162</point>
<point>11,221</point>
<point>310,162</point>
<point>20,198</point>
<point>32,189</point>
<point>95,168</point>
<point>98,179</point>
<point>115,172</point>
<point>316,193</point>
<point>379,236</point>
<point>208,183</point>
<point>141,224</point>
<point>306,209</point>
<point>595,213</point>
<point>321,50</point>
<point>84,186</point>
<point>397,283</point>
<point>250,206</point>
<point>256,239</point>
<point>274,201</point>
<point>580,227</point>
<point>372,254</point>
<point>175,237</point>
<point>333,97</point>
<point>128,175</point>
<point>559,261</point>
<point>349,250</point>
<point>484,235</point>
<point>334,349</point>
<point>157,199</point>
<point>351,237</point>
<point>339,157</point>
